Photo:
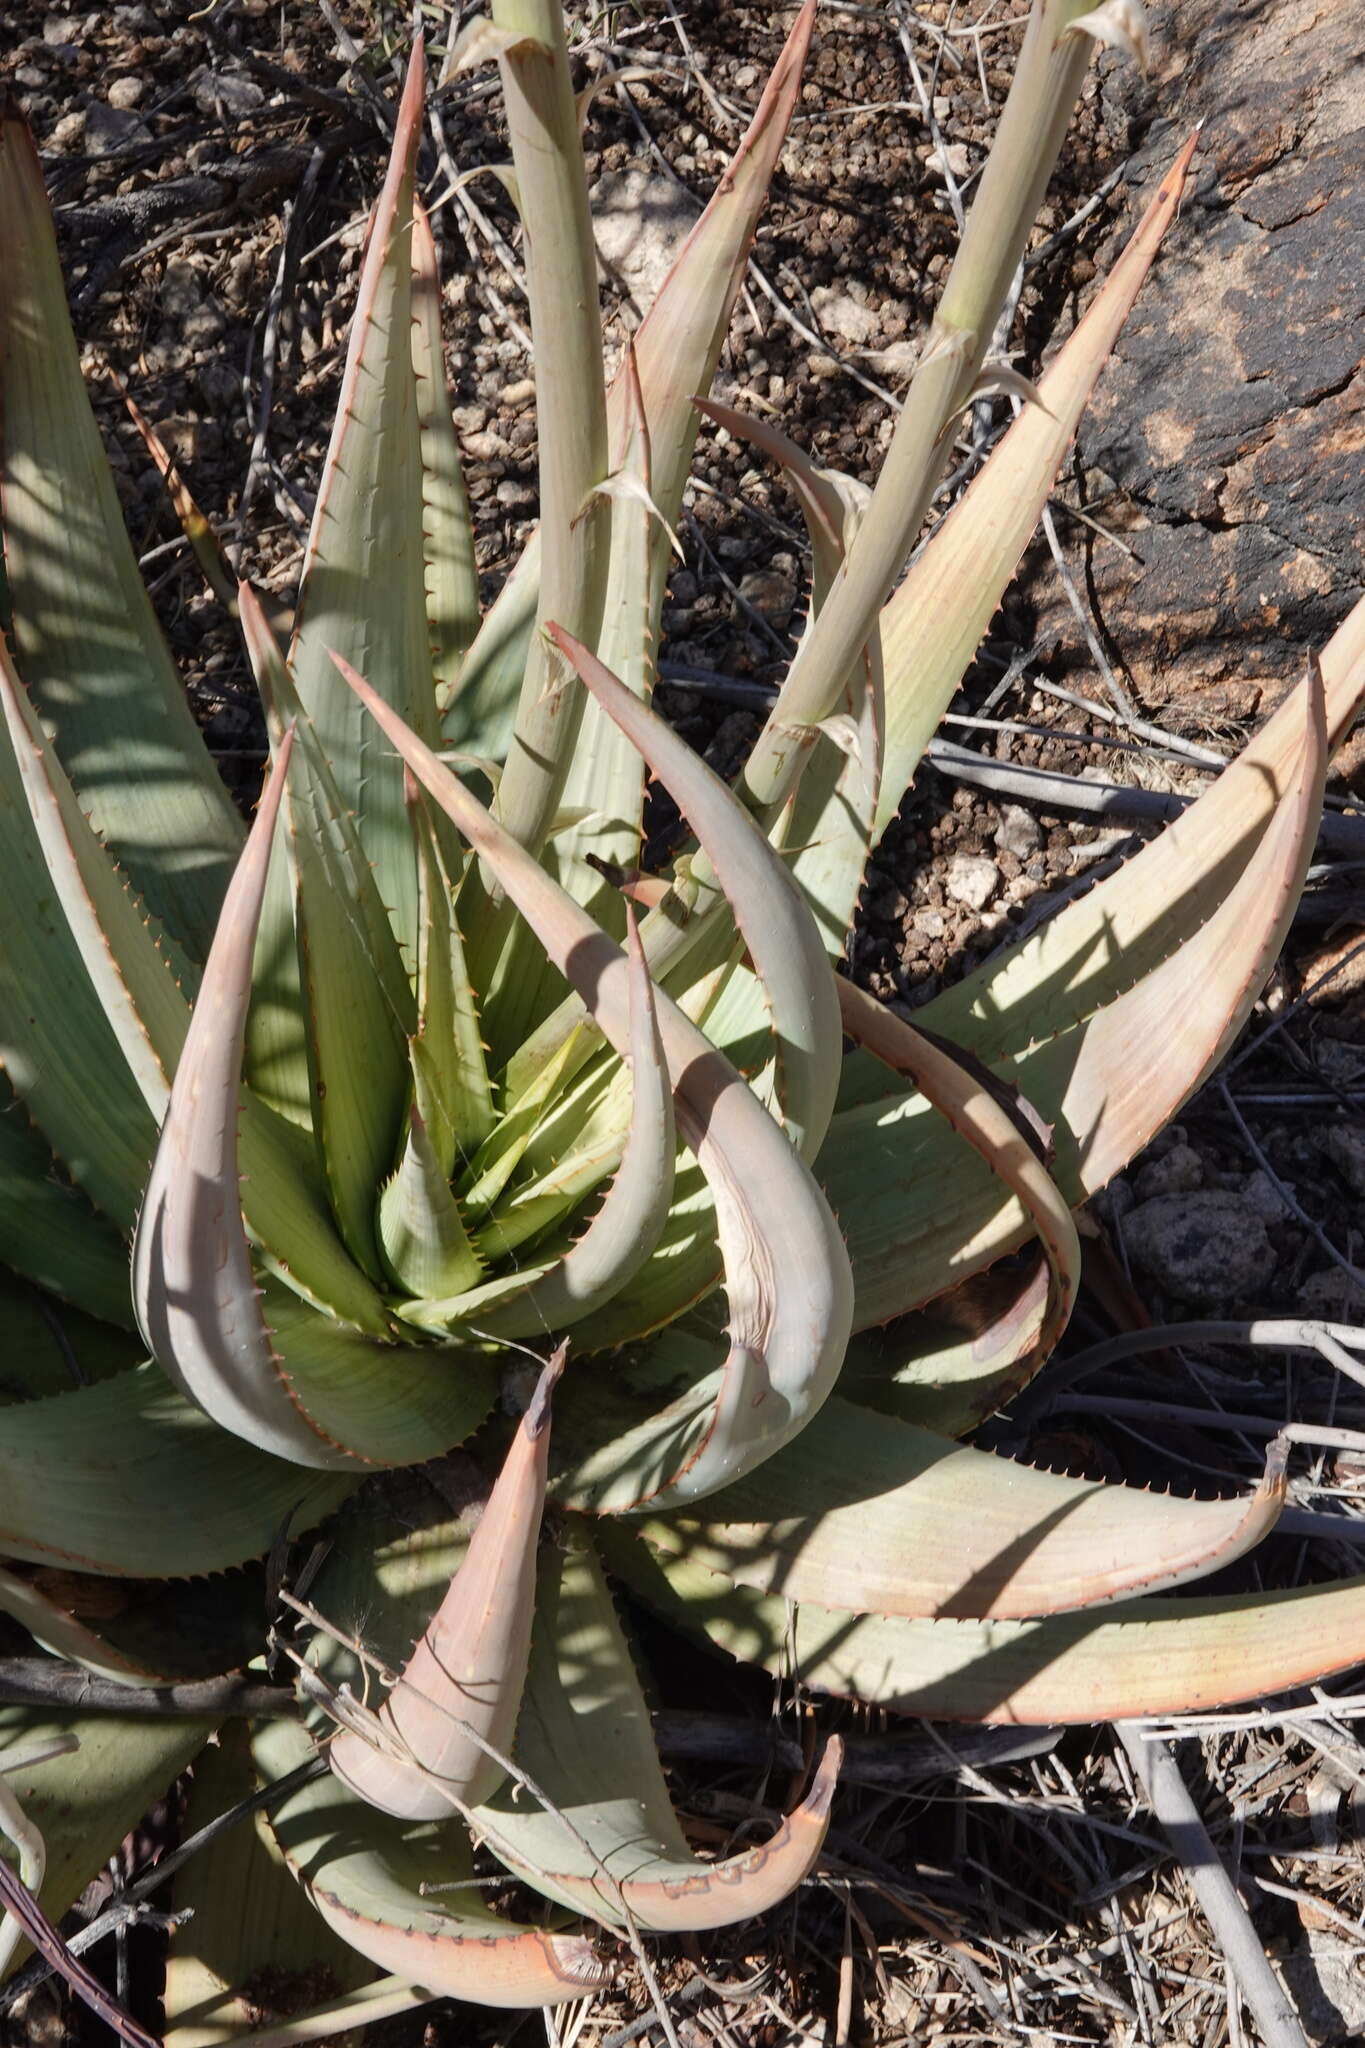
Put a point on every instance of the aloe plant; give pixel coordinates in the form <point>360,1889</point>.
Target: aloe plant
<point>409,1083</point>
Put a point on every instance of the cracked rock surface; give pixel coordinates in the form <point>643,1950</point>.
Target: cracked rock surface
<point>1227,441</point>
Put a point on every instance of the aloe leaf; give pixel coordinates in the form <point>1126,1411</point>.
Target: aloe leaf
<point>85,1802</point>
<point>363,585</point>
<point>59,1050</point>
<point>1107,1079</point>
<point>51,1347</point>
<point>606,777</point>
<point>128,1479</point>
<point>194,1284</point>
<point>1149,910</point>
<point>324,903</point>
<point>453,1064</point>
<point>479,714</point>
<point>627,1227</point>
<point>933,624</point>
<point>1046,82</point>
<point>678,343</point>
<point>827,827</point>
<point>452,579</point>
<point>974,1113</point>
<point>951,1364</point>
<point>249,1944</point>
<point>1177,1654</point>
<point>459,1693</point>
<point>850,1516</point>
<point>85,637</point>
<point>786,1274</point>
<point>571,415</point>
<point>137,982</point>
<point>420,1229</point>
<point>357,1049</point>
<point>50,1233</point>
<point>493,1165</point>
<point>366,1875</point>
<point>198,1301</point>
<point>608,1843</point>
<point>773,919</point>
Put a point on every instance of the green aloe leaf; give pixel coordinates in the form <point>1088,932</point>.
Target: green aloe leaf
<point>1177,1654</point>
<point>452,578</point>
<point>51,1347</point>
<point>850,1516</point>
<point>454,1092</point>
<point>786,1275</point>
<point>50,1233</point>
<point>1106,1081</point>
<point>363,585</point>
<point>127,1478</point>
<point>85,636</point>
<point>83,1804</point>
<point>773,919</point>
<point>250,1946</point>
<point>608,1842</point>
<point>368,1876</point>
<point>627,1227</point>
<point>571,415</point>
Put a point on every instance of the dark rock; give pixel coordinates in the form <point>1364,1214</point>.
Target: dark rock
<point>1232,419</point>
<point>1208,1247</point>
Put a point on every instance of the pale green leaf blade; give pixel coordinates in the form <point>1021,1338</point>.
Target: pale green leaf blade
<point>1152,906</point>
<point>608,1842</point>
<point>250,1948</point>
<point>365,1873</point>
<point>85,637</point>
<point>627,1227</point>
<point>452,578</point>
<point>129,1479</point>
<point>451,1066</point>
<point>1177,1654</point>
<point>49,1231</point>
<point>363,584</point>
<point>84,1803</point>
<point>772,917</point>
<point>51,1347</point>
<point>786,1271</point>
<point>851,1515</point>
<point>571,419</point>
<point>195,1289</point>
<point>420,1229</point>
<point>479,717</point>
<point>138,979</point>
<point>1111,1075</point>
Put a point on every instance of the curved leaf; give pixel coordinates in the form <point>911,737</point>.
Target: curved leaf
<point>852,1516</point>
<point>83,1804</point>
<point>1179,1654</point>
<point>1106,1083</point>
<point>86,639</point>
<point>128,1479</point>
<point>773,918</point>
<point>460,1690</point>
<point>786,1275</point>
<point>365,1874</point>
<point>363,584</point>
<point>609,1843</point>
